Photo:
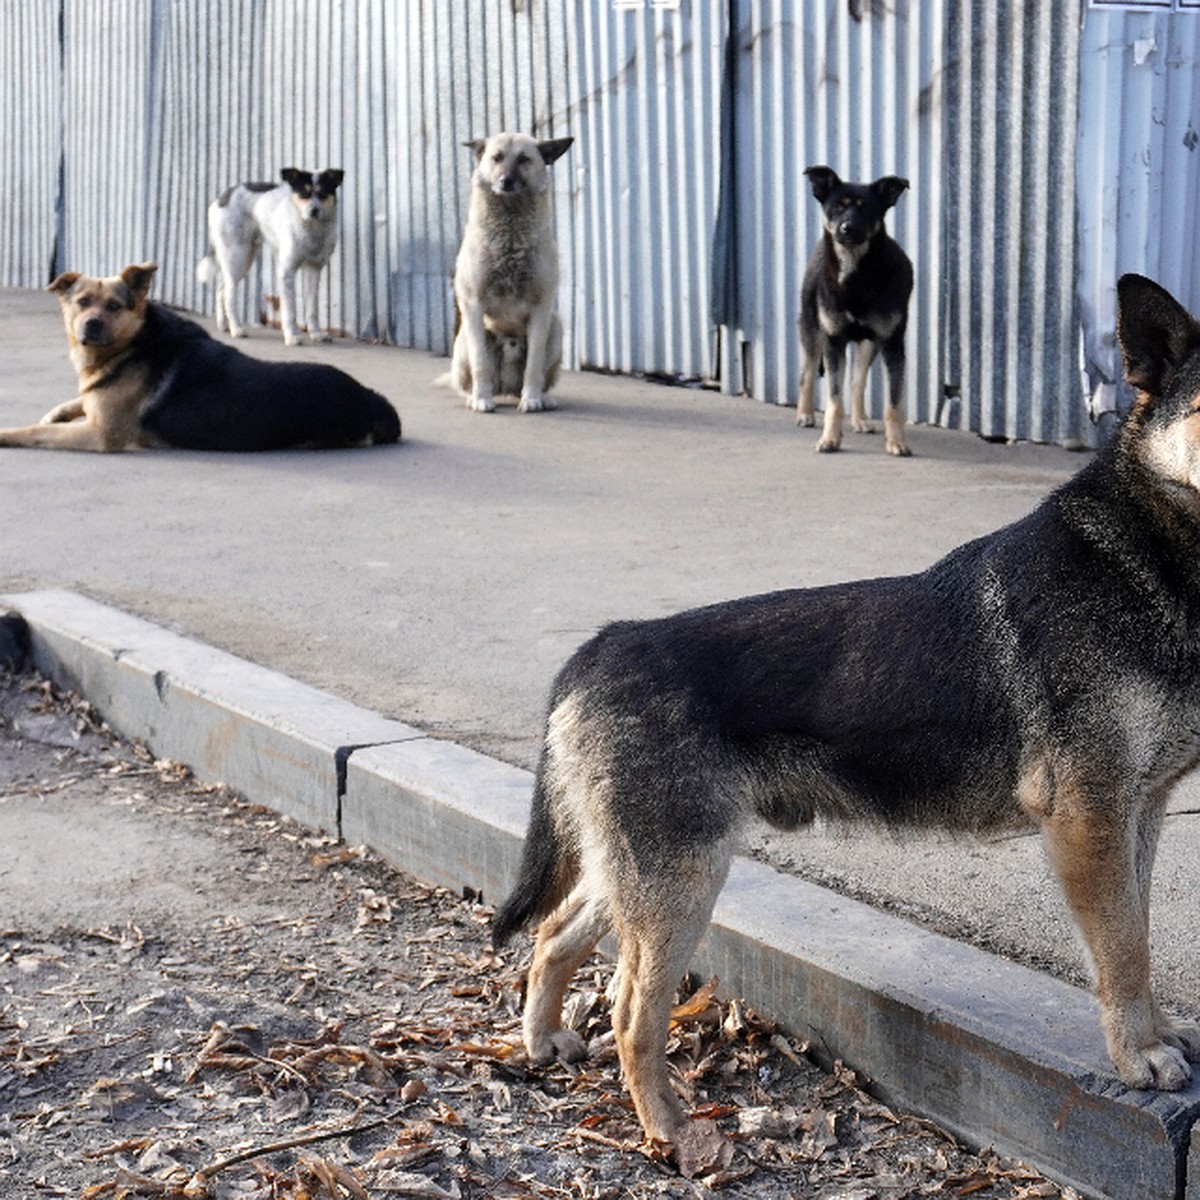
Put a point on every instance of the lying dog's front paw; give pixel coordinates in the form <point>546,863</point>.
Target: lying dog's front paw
<point>563,1044</point>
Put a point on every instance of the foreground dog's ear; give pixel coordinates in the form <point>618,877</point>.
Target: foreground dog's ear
<point>554,149</point>
<point>823,180</point>
<point>889,189</point>
<point>64,283</point>
<point>1155,331</point>
<point>137,278</point>
<point>476,147</point>
<point>293,176</point>
<point>333,177</point>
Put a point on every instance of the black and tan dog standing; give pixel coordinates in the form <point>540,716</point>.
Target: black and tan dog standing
<point>150,377</point>
<point>1046,673</point>
<point>509,338</point>
<point>855,292</point>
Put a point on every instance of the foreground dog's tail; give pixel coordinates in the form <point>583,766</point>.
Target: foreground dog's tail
<point>542,877</point>
<point>206,269</point>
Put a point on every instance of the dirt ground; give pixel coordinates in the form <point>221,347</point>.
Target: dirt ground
<point>200,999</point>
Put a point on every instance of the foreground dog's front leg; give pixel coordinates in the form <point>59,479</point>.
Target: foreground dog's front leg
<point>533,397</point>
<point>69,410</point>
<point>1095,852</point>
<point>808,386</point>
<point>893,421</point>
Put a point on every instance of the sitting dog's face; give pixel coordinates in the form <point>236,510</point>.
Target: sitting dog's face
<point>853,213</point>
<point>104,313</point>
<point>514,164</point>
<point>314,195</point>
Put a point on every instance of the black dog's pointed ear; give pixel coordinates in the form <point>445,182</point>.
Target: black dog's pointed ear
<point>890,188</point>
<point>1155,331</point>
<point>333,177</point>
<point>476,147</point>
<point>554,149</point>
<point>293,175</point>
<point>823,181</point>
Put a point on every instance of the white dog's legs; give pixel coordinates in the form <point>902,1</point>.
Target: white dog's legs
<point>534,384</point>
<point>483,373</point>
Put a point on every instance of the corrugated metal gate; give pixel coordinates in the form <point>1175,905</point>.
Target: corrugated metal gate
<point>683,216</point>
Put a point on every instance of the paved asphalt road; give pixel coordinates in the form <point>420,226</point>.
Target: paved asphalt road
<point>443,581</point>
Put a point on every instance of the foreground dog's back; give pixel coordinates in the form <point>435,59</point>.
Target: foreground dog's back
<point>1049,672</point>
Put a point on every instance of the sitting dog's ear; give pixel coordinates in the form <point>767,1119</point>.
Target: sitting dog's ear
<point>890,188</point>
<point>823,180</point>
<point>554,149</point>
<point>64,283</point>
<point>476,147</point>
<point>1155,331</point>
<point>137,278</point>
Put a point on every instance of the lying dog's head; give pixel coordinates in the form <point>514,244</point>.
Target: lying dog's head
<point>315,196</point>
<point>514,164</point>
<point>104,314</point>
<point>853,212</point>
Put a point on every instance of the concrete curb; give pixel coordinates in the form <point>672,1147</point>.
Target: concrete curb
<point>997,1053</point>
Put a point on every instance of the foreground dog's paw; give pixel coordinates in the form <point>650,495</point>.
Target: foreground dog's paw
<point>829,445</point>
<point>321,335</point>
<point>481,404</point>
<point>1159,1067</point>
<point>863,427</point>
<point>805,420</point>
<point>563,1044</point>
<point>898,450</point>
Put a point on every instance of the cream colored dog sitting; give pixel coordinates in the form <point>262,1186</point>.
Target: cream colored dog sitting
<point>509,339</point>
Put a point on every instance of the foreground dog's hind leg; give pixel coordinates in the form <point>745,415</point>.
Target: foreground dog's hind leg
<point>1093,841</point>
<point>564,941</point>
<point>659,923</point>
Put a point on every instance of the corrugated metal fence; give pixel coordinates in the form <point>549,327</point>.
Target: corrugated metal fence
<point>1044,143</point>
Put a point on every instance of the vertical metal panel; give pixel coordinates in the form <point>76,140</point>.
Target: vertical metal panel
<point>1138,169</point>
<point>30,140</point>
<point>856,87</point>
<point>646,109</point>
<point>1011,314</point>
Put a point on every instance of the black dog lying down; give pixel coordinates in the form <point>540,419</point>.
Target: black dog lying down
<point>150,377</point>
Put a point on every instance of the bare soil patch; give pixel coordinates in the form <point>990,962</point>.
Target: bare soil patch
<point>201,999</point>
